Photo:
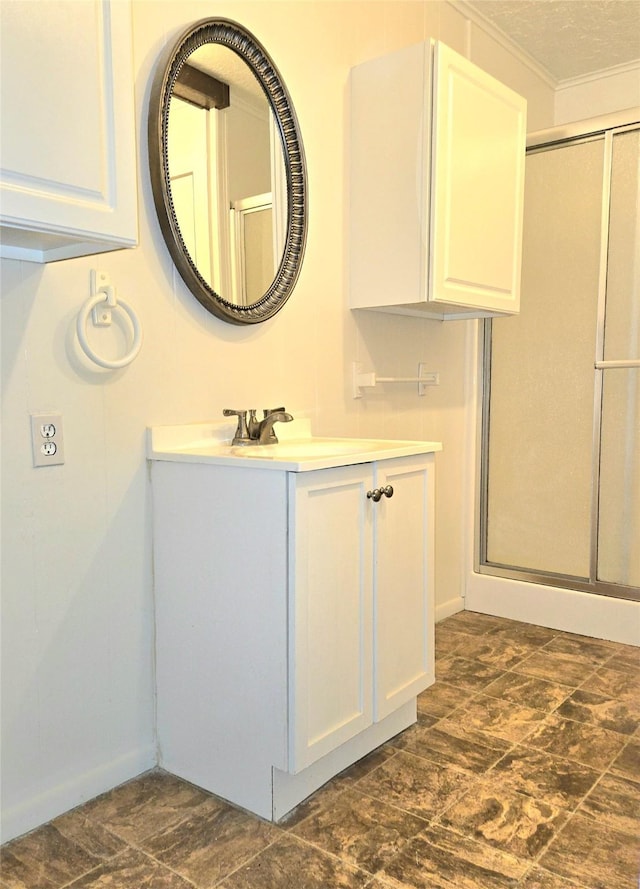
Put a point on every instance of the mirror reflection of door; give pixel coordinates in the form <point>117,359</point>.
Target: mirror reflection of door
<point>251,226</point>
<point>223,161</point>
<point>189,166</point>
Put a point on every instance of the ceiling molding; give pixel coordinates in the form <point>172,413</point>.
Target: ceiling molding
<point>614,71</point>
<point>497,34</point>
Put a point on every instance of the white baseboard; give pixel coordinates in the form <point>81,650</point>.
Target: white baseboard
<point>587,614</point>
<point>451,606</point>
<point>31,813</point>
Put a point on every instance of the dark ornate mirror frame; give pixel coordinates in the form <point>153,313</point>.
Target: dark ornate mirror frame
<point>228,33</point>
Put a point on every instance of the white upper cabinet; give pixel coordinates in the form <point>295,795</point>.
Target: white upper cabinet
<point>68,161</point>
<point>437,186</point>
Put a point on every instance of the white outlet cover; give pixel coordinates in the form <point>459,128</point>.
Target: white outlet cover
<point>47,439</point>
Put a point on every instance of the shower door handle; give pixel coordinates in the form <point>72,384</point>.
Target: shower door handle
<point>622,363</point>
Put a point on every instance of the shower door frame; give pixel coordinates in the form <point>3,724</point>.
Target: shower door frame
<point>585,131</point>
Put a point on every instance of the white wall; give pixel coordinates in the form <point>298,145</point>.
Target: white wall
<point>77,589</point>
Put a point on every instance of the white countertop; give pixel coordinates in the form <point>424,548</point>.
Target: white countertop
<point>296,451</point>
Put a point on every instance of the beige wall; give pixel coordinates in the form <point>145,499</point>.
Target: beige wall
<point>582,98</point>
<point>77,586</point>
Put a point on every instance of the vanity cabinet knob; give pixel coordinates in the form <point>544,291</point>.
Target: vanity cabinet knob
<point>377,493</point>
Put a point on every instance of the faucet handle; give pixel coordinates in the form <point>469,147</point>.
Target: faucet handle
<point>242,433</point>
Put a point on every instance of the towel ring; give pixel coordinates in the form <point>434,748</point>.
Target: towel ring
<point>81,328</point>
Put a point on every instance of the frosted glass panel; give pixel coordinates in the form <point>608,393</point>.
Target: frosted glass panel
<point>619,513</point>
<point>542,396</point>
<point>622,326</point>
<point>258,247</point>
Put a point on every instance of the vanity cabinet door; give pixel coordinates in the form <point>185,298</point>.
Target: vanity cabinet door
<point>68,177</point>
<point>403,586</point>
<point>361,599</point>
<point>330,619</point>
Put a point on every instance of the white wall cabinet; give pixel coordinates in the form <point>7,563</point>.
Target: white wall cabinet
<point>437,186</point>
<point>68,176</point>
<point>295,621</point>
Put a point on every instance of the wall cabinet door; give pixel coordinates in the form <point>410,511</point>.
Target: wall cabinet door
<point>403,583</point>
<point>437,185</point>
<point>68,177</point>
<point>477,187</point>
<point>331,600</point>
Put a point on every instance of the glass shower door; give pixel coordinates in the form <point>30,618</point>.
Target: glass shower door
<point>618,549</point>
<point>561,414</point>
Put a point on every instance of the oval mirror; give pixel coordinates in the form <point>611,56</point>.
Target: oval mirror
<point>228,171</point>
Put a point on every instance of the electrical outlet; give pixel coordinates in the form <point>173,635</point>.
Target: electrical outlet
<point>47,440</point>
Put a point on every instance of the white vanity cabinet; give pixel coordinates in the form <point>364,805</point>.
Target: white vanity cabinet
<point>437,186</point>
<point>294,620</point>
<point>68,175</point>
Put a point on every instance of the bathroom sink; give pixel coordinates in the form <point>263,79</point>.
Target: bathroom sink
<point>308,448</point>
<point>297,450</point>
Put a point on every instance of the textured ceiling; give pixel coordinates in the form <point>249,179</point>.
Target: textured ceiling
<point>569,38</point>
<point>226,65</point>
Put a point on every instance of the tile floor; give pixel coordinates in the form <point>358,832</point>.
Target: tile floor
<point>523,770</point>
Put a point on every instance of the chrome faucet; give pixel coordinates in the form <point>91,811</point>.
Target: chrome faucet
<point>254,431</point>
<point>265,431</point>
